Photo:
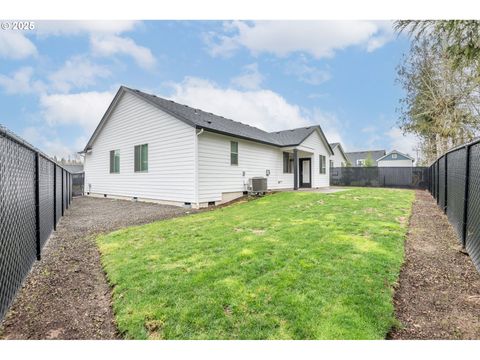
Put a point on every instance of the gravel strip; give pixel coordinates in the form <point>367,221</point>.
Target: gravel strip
<point>66,295</point>
<point>438,296</point>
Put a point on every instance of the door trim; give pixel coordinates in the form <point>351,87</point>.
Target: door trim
<point>301,183</point>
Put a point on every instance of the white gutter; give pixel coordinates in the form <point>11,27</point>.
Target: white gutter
<point>196,193</point>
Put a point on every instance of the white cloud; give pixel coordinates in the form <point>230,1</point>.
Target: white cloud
<point>105,39</point>
<point>369,129</point>
<point>264,109</point>
<point>74,27</point>
<point>406,144</point>
<point>77,72</point>
<point>251,79</point>
<point>15,45</point>
<point>84,109</point>
<point>306,73</point>
<point>47,141</point>
<point>21,82</point>
<point>111,45</point>
<point>383,36</point>
<point>331,126</point>
<point>321,39</point>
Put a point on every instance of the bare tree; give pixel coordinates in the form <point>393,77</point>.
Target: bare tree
<point>441,102</point>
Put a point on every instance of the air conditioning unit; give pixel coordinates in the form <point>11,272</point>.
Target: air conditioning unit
<point>257,185</point>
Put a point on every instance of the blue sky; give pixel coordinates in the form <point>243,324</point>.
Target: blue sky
<point>56,81</point>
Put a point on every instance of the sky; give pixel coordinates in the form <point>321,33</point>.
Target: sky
<point>57,80</point>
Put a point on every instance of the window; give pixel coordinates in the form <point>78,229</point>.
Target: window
<point>331,163</point>
<point>323,164</point>
<point>141,158</point>
<point>114,161</point>
<point>287,163</point>
<point>233,153</point>
<point>360,162</point>
<point>394,156</point>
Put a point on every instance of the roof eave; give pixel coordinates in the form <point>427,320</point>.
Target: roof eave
<point>206,128</point>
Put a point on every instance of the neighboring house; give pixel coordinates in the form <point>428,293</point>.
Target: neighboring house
<point>396,159</point>
<point>149,148</point>
<point>339,159</point>
<point>74,169</point>
<point>357,158</point>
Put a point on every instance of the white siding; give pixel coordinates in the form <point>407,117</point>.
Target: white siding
<point>315,145</point>
<point>217,176</point>
<point>171,154</point>
<point>338,158</point>
<point>395,163</point>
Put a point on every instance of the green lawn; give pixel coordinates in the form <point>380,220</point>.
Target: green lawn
<point>287,266</point>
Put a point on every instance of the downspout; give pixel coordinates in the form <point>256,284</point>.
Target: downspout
<point>295,169</point>
<point>196,192</point>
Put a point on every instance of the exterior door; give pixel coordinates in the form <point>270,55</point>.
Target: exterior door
<point>305,173</point>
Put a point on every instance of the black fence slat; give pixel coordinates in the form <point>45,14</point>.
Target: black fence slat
<point>18,246</point>
<point>78,185</point>
<point>441,183</point>
<point>472,241</point>
<point>456,172</point>
<point>58,189</point>
<point>46,204</point>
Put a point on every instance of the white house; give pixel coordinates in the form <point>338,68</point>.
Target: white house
<point>395,159</point>
<point>153,149</point>
<point>338,159</point>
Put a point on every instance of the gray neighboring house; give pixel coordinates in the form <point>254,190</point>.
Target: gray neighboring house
<point>357,158</point>
<point>396,159</point>
<point>74,169</point>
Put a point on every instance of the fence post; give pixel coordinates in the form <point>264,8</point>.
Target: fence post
<point>465,198</point>
<point>63,195</point>
<point>446,187</point>
<point>54,196</point>
<point>37,203</point>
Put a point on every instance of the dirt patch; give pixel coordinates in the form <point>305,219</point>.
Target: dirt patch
<point>258,231</point>
<point>438,296</point>
<point>66,295</point>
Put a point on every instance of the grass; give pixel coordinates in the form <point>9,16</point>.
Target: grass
<point>288,266</point>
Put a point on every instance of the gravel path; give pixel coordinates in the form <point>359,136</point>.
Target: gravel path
<point>66,295</point>
<point>439,290</point>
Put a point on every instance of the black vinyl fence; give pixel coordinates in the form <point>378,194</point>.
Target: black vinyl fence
<point>34,193</point>
<point>456,187</point>
<point>78,183</point>
<point>400,177</point>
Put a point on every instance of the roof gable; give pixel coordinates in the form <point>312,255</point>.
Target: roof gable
<point>400,156</point>
<point>340,148</point>
<point>362,155</point>
<point>210,122</point>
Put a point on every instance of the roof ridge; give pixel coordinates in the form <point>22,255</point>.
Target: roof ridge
<point>351,152</point>
<point>202,119</point>
<point>196,109</point>
<point>298,128</point>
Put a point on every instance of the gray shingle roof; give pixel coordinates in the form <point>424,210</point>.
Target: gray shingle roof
<point>219,124</point>
<point>334,145</point>
<point>358,155</point>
